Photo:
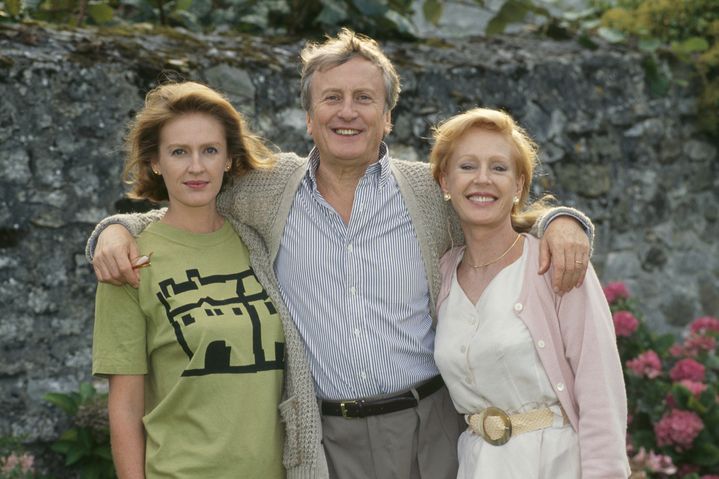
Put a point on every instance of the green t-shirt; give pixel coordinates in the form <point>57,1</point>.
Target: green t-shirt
<point>209,341</point>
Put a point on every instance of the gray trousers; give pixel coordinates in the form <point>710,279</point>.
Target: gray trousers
<point>416,443</point>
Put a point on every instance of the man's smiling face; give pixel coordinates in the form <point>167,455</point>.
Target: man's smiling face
<point>348,119</point>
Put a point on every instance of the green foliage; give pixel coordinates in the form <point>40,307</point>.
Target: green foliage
<point>513,11</point>
<point>432,10</point>
<point>673,31</point>
<point>86,444</point>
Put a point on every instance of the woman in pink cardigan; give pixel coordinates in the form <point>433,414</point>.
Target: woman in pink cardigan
<point>537,375</point>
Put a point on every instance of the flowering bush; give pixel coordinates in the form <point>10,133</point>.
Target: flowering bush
<point>672,392</point>
<point>17,466</point>
<point>15,462</point>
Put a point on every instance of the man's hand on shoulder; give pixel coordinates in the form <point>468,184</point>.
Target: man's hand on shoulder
<point>114,253</point>
<point>565,246</point>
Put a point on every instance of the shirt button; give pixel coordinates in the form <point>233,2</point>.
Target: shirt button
<point>560,386</point>
<point>540,343</point>
<point>363,375</point>
<point>349,248</point>
<point>518,307</point>
<point>356,332</point>
<point>353,290</point>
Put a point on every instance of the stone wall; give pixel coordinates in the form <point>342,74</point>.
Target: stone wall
<point>635,163</point>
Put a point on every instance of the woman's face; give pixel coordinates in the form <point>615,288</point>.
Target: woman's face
<point>192,159</point>
<point>481,176</point>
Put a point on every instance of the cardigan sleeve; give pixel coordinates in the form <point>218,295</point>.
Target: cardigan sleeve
<point>135,223</point>
<point>590,347</point>
<point>543,222</point>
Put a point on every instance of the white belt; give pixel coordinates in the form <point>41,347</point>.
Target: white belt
<point>496,426</point>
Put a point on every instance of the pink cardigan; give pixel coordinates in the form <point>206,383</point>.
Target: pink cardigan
<point>574,337</point>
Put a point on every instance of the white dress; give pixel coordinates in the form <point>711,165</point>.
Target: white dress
<point>486,357</point>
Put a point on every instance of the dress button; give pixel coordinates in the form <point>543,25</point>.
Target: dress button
<point>518,307</point>
<point>540,343</point>
<point>560,386</point>
<point>468,379</point>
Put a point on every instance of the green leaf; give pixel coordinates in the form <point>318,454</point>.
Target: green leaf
<point>432,10</point>
<point>333,13</point>
<point>104,452</point>
<point>512,11</point>
<point>704,454</point>
<point>712,362</point>
<point>91,471</point>
<point>14,7</point>
<point>87,391</point>
<point>66,402</point>
<point>401,23</point>
<point>611,35</point>
<point>371,8</point>
<point>690,45</point>
<point>85,440</point>
<point>649,44</point>
<point>63,446</point>
<point>70,435</point>
<point>101,13</point>
<point>658,82</point>
<point>181,5</point>
<point>664,342</point>
<point>74,456</point>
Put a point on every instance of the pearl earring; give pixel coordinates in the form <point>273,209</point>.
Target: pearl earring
<point>447,196</point>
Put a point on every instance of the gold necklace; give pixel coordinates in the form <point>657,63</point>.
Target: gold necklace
<point>495,260</point>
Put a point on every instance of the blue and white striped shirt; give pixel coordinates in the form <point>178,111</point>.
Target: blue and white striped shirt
<point>357,292</point>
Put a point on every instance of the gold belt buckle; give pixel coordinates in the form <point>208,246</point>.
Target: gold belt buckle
<point>343,408</point>
<point>506,425</point>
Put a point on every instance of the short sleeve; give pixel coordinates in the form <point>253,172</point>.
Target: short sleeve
<point>119,344</point>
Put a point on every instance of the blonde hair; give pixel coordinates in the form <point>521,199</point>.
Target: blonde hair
<point>524,213</point>
<point>335,51</point>
<point>167,102</point>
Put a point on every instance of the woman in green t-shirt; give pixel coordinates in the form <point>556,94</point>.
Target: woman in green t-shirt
<point>195,355</point>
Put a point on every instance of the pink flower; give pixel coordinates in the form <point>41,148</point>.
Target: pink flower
<point>9,463</point>
<point>625,323</point>
<point>26,462</point>
<point>678,428</point>
<point>687,369</point>
<point>654,462</point>
<point>696,344</point>
<point>705,325</point>
<point>676,350</point>
<point>616,290</point>
<point>13,461</point>
<point>646,364</point>
<point>709,476</point>
<point>694,387</point>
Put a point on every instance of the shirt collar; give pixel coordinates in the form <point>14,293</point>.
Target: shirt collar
<point>379,169</point>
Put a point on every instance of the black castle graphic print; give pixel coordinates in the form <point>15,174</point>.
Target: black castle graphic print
<point>205,298</point>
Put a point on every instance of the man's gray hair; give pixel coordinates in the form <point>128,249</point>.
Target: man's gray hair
<point>338,50</point>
